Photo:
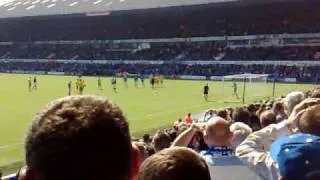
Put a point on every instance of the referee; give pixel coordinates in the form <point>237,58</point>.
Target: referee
<point>206,92</point>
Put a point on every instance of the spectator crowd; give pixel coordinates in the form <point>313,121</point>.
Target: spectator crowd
<point>170,70</point>
<point>165,51</point>
<point>87,137</point>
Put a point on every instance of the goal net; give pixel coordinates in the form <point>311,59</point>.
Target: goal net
<point>246,87</point>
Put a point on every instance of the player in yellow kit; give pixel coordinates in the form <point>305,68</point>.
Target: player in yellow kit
<point>78,84</point>
<point>82,85</point>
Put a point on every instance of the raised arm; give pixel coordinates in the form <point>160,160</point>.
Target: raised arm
<point>185,137</point>
<point>254,150</point>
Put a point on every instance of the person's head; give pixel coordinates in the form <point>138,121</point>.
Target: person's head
<point>146,138</point>
<point>179,120</point>
<point>223,113</point>
<point>140,147</point>
<point>161,140</point>
<point>71,138</point>
<point>173,134</point>
<point>278,107</point>
<point>297,156</point>
<point>240,132</point>
<point>309,121</point>
<point>178,163</point>
<point>241,115</point>
<point>267,117</point>
<point>189,114</point>
<point>217,132</point>
<point>292,99</point>
<point>255,122</point>
<point>315,93</point>
<point>252,109</point>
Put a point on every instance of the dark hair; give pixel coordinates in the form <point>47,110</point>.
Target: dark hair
<point>241,115</point>
<point>79,137</point>
<point>255,122</point>
<point>146,138</point>
<point>202,144</point>
<point>178,163</point>
<point>223,113</point>
<point>252,108</point>
<point>173,134</point>
<point>161,140</point>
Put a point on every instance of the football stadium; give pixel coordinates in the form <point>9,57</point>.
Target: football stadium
<point>159,89</point>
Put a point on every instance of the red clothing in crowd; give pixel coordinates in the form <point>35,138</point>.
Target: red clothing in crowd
<point>187,120</point>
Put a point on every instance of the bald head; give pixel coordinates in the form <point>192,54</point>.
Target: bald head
<point>217,132</point>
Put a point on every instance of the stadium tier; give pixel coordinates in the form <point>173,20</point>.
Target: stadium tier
<point>277,47</point>
<point>217,19</point>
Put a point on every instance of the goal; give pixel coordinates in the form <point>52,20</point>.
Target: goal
<point>249,87</point>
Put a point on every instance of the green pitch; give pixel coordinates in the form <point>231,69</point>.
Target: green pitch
<point>146,109</point>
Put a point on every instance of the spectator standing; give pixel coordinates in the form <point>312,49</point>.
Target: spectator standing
<point>188,119</point>
<point>297,157</point>
<point>292,99</point>
<point>267,117</point>
<point>278,108</point>
<point>219,156</point>
<point>254,150</point>
<point>161,140</point>
<point>80,137</point>
<point>176,163</point>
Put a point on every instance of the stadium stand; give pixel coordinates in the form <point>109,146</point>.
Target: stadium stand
<point>167,22</point>
<point>209,50</point>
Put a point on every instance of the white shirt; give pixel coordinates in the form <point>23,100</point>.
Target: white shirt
<point>224,165</point>
<point>254,150</point>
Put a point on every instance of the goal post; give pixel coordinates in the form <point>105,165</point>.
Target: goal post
<point>248,87</point>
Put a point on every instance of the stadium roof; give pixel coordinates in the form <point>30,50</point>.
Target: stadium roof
<point>21,8</point>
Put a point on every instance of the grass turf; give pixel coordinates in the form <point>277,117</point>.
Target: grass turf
<point>147,110</point>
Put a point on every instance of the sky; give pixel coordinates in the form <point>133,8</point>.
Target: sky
<point>4,1</point>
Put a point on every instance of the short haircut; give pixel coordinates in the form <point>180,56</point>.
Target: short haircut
<point>240,132</point>
<point>268,117</point>
<point>143,154</point>
<point>79,137</point>
<point>252,108</point>
<point>255,122</point>
<point>161,140</point>
<point>309,122</point>
<point>173,134</point>
<point>177,163</point>
<point>277,107</point>
<point>241,115</point>
<point>222,113</point>
<point>146,138</point>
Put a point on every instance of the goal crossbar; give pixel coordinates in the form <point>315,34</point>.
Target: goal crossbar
<point>247,76</point>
